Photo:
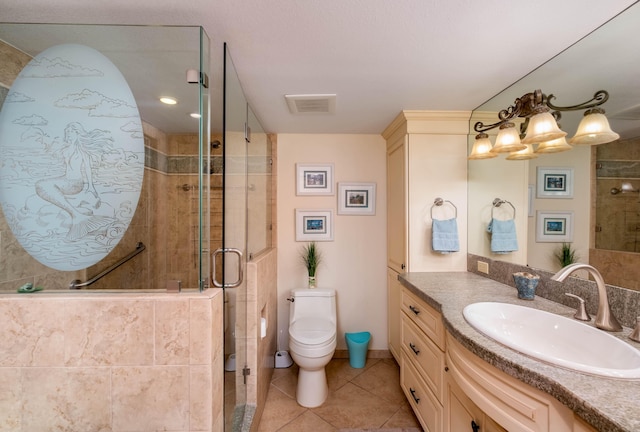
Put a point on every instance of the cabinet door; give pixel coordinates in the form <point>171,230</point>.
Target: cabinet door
<point>394,288</point>
<point>396,205</point>
<point>461,414</point>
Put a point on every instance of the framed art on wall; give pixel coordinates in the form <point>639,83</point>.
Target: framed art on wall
<point>357,198</point>
<point>554,226</point>
<point>314,179</point>
<point>555,182</point>
<point>314,225</point>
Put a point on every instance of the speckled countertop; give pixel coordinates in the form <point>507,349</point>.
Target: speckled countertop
<point>607,404</point>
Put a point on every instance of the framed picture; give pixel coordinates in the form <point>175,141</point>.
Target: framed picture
<point>314,225</point>
<point>555,182</point>
<point>554,226</point>
<point>314,179</point>
<point>357,198</point>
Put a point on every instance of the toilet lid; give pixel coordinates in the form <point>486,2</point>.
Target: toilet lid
<point>312,331</point>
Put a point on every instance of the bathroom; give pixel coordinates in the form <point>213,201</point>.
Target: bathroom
<point>362,280</point>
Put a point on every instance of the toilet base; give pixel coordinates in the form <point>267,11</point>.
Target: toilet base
<point>312,388</point>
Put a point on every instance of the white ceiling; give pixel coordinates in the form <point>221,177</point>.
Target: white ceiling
<point>378,56</point>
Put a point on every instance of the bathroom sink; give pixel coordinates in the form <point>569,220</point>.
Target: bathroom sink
<point>555,339</point>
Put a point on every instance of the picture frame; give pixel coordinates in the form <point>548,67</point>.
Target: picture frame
<point>314,225</point>
<point>314,179</point>
<point>554,182</point>
<point>356,198</point>
<point>554,226</point>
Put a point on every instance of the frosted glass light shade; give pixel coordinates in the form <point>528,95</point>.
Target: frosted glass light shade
<point>594,129</point>
<point>542,127</point>
<point>526,153</point>
<point>508,140</point>
<point>482,148</point>
<point>554,146</point>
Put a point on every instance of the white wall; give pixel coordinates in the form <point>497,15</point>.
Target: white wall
<point>354,263</point>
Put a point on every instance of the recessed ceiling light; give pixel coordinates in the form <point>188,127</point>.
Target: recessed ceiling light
<point>168,100</point>
<point>195,115</point>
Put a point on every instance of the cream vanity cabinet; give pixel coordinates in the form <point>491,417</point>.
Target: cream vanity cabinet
<point>450,389</point>
<point>426,159</point>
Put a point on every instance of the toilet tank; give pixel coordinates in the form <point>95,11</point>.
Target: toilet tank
<point>314,302</point>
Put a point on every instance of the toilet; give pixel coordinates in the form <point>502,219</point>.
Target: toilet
<point>312,341</point>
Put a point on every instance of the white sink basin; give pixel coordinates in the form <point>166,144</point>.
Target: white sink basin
<point>555,339</point>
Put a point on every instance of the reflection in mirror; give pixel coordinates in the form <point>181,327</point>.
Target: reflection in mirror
<point>605,225</point>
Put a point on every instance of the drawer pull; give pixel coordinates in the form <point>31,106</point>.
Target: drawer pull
<point>413,394</point>
<point>474,426</point>
<point>414,309</point>
<point>414,349</point>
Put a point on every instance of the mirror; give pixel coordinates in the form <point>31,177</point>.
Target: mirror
<point>604,226</point>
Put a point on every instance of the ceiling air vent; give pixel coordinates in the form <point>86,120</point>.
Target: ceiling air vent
<point>311,103</point>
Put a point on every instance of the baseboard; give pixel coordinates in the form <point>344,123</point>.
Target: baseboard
<point>377,354</point>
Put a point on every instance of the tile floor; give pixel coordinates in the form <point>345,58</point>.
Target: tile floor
<point>366,398</point>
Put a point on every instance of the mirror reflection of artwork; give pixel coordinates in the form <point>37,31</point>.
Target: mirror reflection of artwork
<point>71,157</point>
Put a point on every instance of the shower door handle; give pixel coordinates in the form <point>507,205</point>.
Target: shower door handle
<point>213,264</point>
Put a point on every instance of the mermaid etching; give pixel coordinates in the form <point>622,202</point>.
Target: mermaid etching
<point>78,150</point>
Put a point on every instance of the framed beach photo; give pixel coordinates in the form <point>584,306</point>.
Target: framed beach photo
<point>314,179</point>
<point>357,199</point>
<point>555,182</point>
<point>554,226</point>
<point>314,225</point>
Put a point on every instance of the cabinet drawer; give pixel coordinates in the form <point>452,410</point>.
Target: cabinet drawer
<point>424,403</point>
<point>424,316</point>
<point>425,355</point>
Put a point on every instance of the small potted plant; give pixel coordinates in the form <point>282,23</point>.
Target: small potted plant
<point>311,257</point>
<point>566,255</point>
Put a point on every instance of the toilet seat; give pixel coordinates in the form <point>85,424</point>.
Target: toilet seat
<point>312,331</point>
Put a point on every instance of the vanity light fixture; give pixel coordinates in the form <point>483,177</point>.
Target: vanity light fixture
<point>540,127</point>
<point>195,115</point>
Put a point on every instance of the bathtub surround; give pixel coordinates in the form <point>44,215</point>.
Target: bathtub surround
<point>625,303</point>
<point>131,361</point>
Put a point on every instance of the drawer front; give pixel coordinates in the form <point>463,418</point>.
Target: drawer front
<point>424,403</point>
<point>425,355</point>
<point>424,316</point>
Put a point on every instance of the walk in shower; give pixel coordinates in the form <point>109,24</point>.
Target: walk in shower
<point>193,212</point>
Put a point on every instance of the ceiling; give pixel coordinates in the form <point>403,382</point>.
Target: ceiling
<point>378,56</point>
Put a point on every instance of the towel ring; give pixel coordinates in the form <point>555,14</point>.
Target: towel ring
<point>439,201</point>
<point>498,202</point>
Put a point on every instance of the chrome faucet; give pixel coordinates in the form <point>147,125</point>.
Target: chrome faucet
<point>604,318</point>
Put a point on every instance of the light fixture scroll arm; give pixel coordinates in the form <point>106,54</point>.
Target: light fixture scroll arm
<point>506,115</point>
<point>599,98</point>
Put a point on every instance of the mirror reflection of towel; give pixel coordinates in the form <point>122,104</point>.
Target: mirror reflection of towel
<point>503,236</point>
<point>444,236</point>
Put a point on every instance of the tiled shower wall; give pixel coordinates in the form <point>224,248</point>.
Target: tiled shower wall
<point>100,362</point>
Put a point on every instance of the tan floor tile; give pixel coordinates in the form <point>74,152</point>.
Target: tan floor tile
<point>339,372</point>
<point>383,380</point>
<point>279,410</point>
<point>308,422</point>
<point>351,406</point>
<point>287,384</point>
<point>403,418</point>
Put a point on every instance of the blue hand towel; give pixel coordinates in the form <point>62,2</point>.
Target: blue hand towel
<point>444,236</point>
<point>503,236</point>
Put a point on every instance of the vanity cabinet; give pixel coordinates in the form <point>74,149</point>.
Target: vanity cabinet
<point>451,389</point>
<point>426,159</point>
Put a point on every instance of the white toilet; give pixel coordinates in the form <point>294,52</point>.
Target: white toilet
<point>312,341</point>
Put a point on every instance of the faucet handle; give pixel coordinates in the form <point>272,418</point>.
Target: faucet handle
<point>581,313</point>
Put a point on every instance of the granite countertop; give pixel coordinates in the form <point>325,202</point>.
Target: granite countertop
<point>607,404</point>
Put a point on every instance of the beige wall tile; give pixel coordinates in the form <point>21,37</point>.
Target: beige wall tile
<point>66,399</point>
<point>10,399</point>
<point>150,398</point>
<point>32,332</point>
<point>115,332</point>
<point>200,396</point>
<point>172,332</point>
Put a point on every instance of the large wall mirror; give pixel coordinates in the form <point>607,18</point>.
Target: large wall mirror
<point>603,208</point>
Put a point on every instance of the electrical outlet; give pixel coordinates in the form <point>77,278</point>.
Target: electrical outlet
<point>483,267</point>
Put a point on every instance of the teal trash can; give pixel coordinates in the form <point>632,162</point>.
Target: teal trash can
<point>358,344</point>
